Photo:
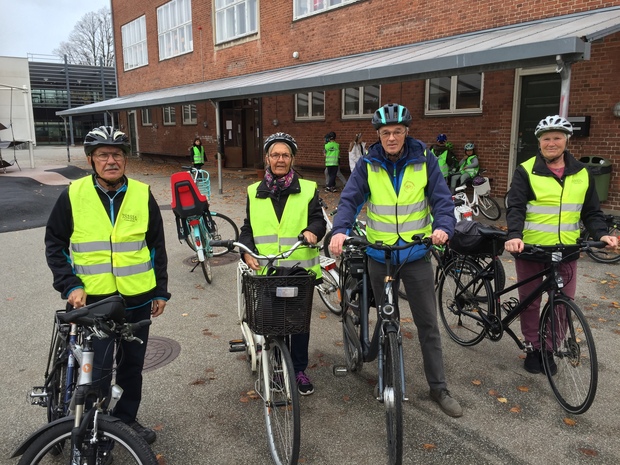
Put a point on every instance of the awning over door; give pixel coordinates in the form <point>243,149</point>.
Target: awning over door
<point>535,43</point>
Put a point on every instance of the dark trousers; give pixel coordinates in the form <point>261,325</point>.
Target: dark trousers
<point>332,171</point>
<point>129,363</point>
<point>299,351</point>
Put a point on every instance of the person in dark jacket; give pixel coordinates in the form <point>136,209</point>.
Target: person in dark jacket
<point>402,183</point>
<point>550,193</point>
<point>109,208</point>
<point>197,154</point>
<point>279,209</point>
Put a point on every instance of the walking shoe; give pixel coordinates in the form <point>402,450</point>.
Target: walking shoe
<point>449,405</point>
<point>145,433</point>
<point>532,362</point>
<point>552,365</point>
<point>304,385</point>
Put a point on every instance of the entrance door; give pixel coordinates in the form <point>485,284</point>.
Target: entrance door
<point>540,97</point>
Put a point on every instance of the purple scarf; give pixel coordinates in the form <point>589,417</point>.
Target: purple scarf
<point>278,184</point>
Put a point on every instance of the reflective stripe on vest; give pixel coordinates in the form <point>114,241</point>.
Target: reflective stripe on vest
<point>199,154</point>
<point>272,236</point>
<point>332,153</point>
<point>110,259</point>
<point>553,216</point>
<point>471,171</point>
<point>391,217</point>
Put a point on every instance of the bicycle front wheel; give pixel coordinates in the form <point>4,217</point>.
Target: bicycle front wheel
<point>489,207</point>
<point>393,398</point>
<point>114,442</point>
<point>225,229</point>
<point>329,292</point>
<point>282,407</point>
<point>462,298</point>
<point>572,371</point>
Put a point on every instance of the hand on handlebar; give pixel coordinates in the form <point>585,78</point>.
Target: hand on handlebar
<point>514,245</point>
<point>251,262</point>
<point>439,237</point>
<point>611,241</point>
<point>335,245</point>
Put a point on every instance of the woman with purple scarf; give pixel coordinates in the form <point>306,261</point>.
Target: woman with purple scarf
<point>279,208</point>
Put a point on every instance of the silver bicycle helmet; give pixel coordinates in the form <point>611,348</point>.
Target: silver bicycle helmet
<point>554,123</point>
<point>469,146</point>
<point>280,137</point>
<point>106,135</point>
<point>392,113</point>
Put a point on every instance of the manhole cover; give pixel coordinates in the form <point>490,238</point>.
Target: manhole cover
<point>160,351</point>
<point>215,261</point>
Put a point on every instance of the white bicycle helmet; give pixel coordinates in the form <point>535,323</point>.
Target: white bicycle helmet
<point>469,146</point>
<point>554,123</point>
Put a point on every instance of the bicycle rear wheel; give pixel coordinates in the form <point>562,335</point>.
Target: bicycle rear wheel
<point>329,292</point>
<point>56,385</point>
<point>462,299</point>
<point>489,207</point>
<point>606,255</point>
<point>282,410</point>
<point>200,234</point>
<point>573,370</point>
<point>113,438</point>
<point>393,398</point>
<point>225,229</point>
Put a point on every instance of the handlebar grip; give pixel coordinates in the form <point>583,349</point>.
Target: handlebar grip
<point>140,324</point>
<point>356,241</point>
<point>227,244</point>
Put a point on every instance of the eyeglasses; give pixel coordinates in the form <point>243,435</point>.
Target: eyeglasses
<point>283,156</point>
<point>117,156</point>
<point>387,134</point>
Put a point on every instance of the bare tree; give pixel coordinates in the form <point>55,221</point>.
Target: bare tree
<point>90,41</point>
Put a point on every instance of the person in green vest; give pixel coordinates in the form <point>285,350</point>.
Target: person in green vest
<point>197,154</point>
<point>402,184</point>
<point>467,169</point>
<point>280,208</point>
<point>549,195</point>
<point>104,237</point>
<point>442,149</point>
<point>332,156</point>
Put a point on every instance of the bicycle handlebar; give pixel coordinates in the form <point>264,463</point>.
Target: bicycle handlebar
<point>358,241</point>
<point>230,245</point>
<point>548,249</point>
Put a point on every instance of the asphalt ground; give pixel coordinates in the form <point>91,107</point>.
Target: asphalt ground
<point>199,402</point>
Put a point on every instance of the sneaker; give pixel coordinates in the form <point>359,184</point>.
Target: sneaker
<point>449,405</point>
<point>552,365</point>
<point>304,385</point>
<point>145,433</point>
<point>532,362</point>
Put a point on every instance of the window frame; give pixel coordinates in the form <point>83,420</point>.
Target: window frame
<point>323,6</point>
<point>360,103</point>
<point>220,25</point>
<point>138,48</point>
<point>452,110</point>
<point>311,116</point>
<point>146,116</point>
<point>190,121</point>
<point>169,115</point>
<point>174,29</point>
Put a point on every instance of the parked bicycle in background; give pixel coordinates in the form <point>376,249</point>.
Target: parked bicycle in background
<point>481,202</point>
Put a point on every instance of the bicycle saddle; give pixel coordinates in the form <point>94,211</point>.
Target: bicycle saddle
<point>110,308</point>
<point>492,232</point>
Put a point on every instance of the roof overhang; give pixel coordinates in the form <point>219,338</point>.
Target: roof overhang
<point>530,44</point>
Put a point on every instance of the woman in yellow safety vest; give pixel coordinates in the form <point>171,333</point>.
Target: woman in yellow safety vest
<point>550,193</point>
<point>279,208</point>
<point>197,154</point>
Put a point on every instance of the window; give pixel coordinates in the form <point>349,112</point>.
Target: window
<point>147,119</point>
<point>133,36</point>
<point>360,102</point>
<point>309,7</point>
<point>189,114</point>
<point>234,19</point>
<point>170,118</point>
<point>174,28</point>
<point>454,94</point>
<point>310,106</point>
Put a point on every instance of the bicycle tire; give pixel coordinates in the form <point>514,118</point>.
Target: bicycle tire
<point>57,379</point>
<point>575,382</point>
<point>462,328</point>
<point>282,417</point>
<point>326,240</point>
<point>605,255</point>
<point>393,397</point>
<point>351,342</point>
<point>225,229</point>
<point>501,271</point>
<point>124,444</point>
<point>489,207</point>
<point>329,292</point>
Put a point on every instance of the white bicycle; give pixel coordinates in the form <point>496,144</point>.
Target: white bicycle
<point>481,202</point>
<point>270,308</point>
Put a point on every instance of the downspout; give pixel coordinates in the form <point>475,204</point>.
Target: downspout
<point>564,69</point>
<point>220,146</point>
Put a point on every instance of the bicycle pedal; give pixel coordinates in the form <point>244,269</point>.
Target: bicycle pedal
<point>340,370</point>
<point>38,396</point>
<point>237,345</point>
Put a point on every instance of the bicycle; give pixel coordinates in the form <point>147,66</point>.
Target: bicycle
<point>386,344</point>
<point>481,202</point>
<point>270,308</point>
<point>471,310</point>
<point>75,434</point>
<point>196,223</point>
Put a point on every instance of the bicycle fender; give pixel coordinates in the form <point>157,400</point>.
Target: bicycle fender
<point>71,418</point>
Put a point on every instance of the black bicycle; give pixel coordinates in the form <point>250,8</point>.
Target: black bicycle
<point>77,434</point>
<point>386,343</point>
<point>471,310</point>
<point>607,255</point>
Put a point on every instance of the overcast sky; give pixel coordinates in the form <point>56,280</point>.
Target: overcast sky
<point>39,26</point>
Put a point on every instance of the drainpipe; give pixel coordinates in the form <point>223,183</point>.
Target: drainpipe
<point>218,135</point>
<point>565,74</point>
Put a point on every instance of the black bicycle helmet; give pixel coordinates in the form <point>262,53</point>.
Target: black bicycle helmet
<point>392,113</point>
<point>280,137</point>
<point>106,135</point>
<point>554,123</point>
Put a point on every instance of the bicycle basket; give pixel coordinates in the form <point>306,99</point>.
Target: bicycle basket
<point>468,240</point>
<point>278,305</point>
<point>203,182</point>
<point>481,185</point>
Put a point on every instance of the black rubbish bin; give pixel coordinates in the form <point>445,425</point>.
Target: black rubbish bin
<point>601,170</point>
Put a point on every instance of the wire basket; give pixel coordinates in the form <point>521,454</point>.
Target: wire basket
<point>204,183</point>
<point>278,305</point>
<point>484,188</point>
